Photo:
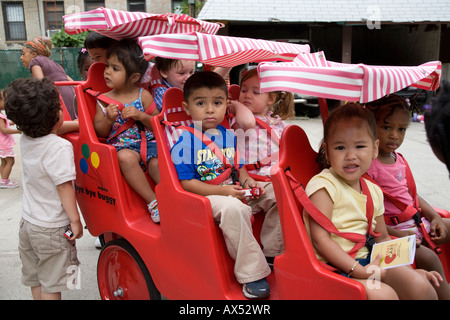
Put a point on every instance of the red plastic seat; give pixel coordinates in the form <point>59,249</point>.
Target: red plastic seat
<point>185,256</point>
<point>234,90</point>
<point>298,268</point>
<point>104,197</point>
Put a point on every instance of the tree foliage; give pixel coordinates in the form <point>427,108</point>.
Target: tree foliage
<point>62,39</point>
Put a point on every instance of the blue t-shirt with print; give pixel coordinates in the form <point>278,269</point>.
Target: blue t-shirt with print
<point>194,160</point>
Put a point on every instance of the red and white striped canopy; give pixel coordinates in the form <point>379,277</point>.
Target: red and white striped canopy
<point>118,24</point>
<point>217,50</point>
<point>312,74</point>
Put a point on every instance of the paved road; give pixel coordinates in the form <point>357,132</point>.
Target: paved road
<point>431,177</point>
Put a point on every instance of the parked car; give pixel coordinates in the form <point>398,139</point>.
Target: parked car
<point>307,106</point>
<point>422,97</point>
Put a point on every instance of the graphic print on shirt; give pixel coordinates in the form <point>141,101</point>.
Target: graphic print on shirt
<point>209,166</point>
<point>399,175</point>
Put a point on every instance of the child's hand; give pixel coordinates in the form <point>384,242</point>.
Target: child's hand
<point>131,112</point>
<point>77,229</point>
<point>433,276</point>
<point>233,190</point>
<point>438,231</point>
<point>369,270</point>
<point>232,106</point>
<point>112,112</point>
<point>251,183</point>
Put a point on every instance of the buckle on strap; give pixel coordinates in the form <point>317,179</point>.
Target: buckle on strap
<point>257,165</point>
<point>395,220</point>
<point>417,218</point>
<point>168,123</point>
<point>234,175</point>
<point>93,93</point>
<point>370,241</point>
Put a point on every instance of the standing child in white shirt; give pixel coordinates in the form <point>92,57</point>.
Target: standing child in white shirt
<point>49,204</point>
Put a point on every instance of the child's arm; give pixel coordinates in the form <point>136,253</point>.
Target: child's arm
<point>102,122</point>
<point>5,130</point>
<point>69,126</point>
<point>382,229</point>
<point>223,71</point>
<point>248,182</point>
<point>244,117</point>
<point>143,117</point>
<point>438,230</point>
<point>399,233</point>
<point>206,189</point>
<point>67,197</point>
<point>321,240</point>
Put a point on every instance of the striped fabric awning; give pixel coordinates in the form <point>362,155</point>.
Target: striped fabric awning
<point>217,50</point>
<point>118,24</point>
<point>312,74</point>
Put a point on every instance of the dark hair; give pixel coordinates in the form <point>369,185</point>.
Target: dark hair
<point>96,40</point>
<point>437,124</point>
<point>391,103</point>
<point>204,79</point>
<point>82,55</point>
<point>347,111</point>
<point>130,54</point>
<point>33,105</point>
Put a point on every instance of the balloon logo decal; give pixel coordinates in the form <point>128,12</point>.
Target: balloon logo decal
<point>89,164</point>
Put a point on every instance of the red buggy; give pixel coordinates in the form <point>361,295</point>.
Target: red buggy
<point>184,257</point>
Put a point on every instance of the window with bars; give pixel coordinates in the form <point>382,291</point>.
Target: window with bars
<point>93,4</point>
<point>54,12</point>
<point>136,5</point>
<point>14,20</point>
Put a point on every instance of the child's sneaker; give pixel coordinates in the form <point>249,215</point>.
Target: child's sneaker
<point>8,184</point>
<point>256,289</point>
<point>154,212</point>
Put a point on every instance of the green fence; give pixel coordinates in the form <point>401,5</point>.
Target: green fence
<point>11,67</point>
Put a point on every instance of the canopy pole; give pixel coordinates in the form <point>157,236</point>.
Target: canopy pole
<point>347,44</point>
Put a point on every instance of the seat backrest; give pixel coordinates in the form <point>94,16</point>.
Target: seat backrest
<point>234,90</point>
<point>297,154</point>
<point>95,81</point>
<point>172,111</point>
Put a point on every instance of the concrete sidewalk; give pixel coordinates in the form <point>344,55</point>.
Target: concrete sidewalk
<point>431,176</point>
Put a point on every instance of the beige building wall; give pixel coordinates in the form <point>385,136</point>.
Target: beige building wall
<point>35,18</point>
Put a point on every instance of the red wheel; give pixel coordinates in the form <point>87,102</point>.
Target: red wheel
<point>122,275</point>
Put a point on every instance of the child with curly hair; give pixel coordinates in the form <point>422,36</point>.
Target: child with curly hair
<point>390,170</point>
<point>49,205</point>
